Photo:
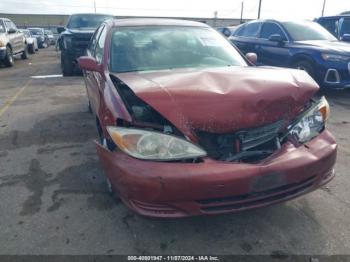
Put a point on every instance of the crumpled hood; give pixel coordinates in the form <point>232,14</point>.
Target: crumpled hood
<point>327,46</point>
<point>225,99</point>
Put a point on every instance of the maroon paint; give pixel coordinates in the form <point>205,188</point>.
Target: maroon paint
<point>217,100</point>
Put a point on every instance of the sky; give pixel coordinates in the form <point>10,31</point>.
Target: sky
<point>278,9</point>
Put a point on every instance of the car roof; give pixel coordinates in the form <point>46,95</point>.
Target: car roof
<point>333,16</point>
<point>92,14</point>
<point>154,22</point>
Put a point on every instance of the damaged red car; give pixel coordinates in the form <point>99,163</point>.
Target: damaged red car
<point>189,126</point>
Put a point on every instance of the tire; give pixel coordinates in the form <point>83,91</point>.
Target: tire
<point>66,65</point>
<point>31,49</point>
<point>9,61</point>
<point>24,54</point>
<point>89,108</point>
<point>306,66</point>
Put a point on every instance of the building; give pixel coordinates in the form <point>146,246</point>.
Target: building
<point>53,21</point>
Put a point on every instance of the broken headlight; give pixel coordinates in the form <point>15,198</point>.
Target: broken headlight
<point>312,122</point>
<point>150,145</point>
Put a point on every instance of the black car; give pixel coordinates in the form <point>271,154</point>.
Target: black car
<point>75,37</point>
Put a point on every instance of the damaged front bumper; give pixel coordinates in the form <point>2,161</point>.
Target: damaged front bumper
<point>161,189</point>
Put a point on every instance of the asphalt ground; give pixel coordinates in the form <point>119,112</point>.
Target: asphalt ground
<point>53,198</point>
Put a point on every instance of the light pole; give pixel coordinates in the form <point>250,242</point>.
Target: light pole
<point>242,7</point>
<point>259,9</point>
<point>324,5</point>
<point>95,6</point>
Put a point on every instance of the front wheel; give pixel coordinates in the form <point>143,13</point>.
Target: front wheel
<point>8,61</point>
<point>306,66</point>
<point>31,49</point>
<point>66,65</point>
<point>24,54</point>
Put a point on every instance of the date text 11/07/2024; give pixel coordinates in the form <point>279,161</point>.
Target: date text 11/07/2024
<point>173,258</point>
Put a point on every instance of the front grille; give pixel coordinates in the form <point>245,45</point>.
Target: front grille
<point>257,136</point>
<point>239,202</point>
<point>81,41</point>
<point>248,145</point>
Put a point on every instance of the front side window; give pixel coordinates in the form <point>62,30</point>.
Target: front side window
<point>269,29</point>
<point>86,21</point>
<point>170,47</point>
<point>304,31</point>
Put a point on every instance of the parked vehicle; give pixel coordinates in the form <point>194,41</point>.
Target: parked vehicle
<point>304,45</point>
<point>51,37</point>
<point>188,126</point>
<point>227,31</point>
<point>12,42</point>
<point>75,38</point>
<point>32,42</point>
<point>339,26</point>
<point>39,34</point>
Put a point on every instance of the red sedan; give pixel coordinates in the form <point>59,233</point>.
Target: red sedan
<point>189,126</point>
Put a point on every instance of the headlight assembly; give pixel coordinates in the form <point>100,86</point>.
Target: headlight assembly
<point>335,58</point>
<point>312,122</point>
<point>150,145</point>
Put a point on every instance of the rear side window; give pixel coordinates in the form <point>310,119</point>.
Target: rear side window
<point>330,25</point>
<point>269,29</point>
<point>249,30</point>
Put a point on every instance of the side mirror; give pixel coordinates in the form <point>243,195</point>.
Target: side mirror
<point>60,29</point>
<point>252,58</point>
<point>11,31</point>
<point>346,38</point>
<point>89,64</point>
<point>276,38</point>
<point>226,32</point>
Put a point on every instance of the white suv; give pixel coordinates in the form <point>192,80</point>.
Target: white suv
<point>12,42</point>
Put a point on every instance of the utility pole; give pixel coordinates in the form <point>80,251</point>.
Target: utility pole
<point>242,7</point>
<point>215,17</point>
<point>324,5</point>
<point>95,6</point>
<point>259,9</point>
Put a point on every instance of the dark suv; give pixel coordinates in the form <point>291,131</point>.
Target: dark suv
<point>75,38</point>
<point>339,26</point>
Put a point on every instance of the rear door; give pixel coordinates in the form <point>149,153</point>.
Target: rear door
<point>245,38</point>
<point>270,52</point>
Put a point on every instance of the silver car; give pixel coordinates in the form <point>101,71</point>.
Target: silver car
<point>32,42</point>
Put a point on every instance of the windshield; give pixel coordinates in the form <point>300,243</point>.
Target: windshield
<point>345,27</point>
<point>26,33</point>
<point>36,31</point>
<point>303,31</point>
<point>48,32</point>
<point>86,21</point>
<point>158,48</point>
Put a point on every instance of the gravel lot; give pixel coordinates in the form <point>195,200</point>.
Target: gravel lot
<point>54,199</point>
